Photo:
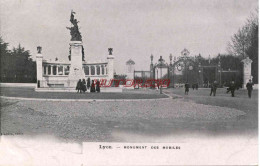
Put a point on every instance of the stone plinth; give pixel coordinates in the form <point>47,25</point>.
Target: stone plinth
<point>110,60</point>
<point>76,68</point>
<point>247,71</point>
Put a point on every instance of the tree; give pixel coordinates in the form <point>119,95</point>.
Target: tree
<point>4,54</point>
<point>16,65</point>
<point>245,43</point>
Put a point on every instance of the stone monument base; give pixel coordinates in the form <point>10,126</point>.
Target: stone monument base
<point>74,76</point>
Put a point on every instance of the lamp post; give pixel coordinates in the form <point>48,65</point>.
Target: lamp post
<point>185,53</point>
<point>219,70</point>
<point>170,70</point>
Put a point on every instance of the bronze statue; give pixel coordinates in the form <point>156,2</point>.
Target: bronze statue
<point>110,50</point>
<point>74,31</point>
<point>39,49</point>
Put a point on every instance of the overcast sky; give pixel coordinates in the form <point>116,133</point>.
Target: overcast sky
<point>133,28</point>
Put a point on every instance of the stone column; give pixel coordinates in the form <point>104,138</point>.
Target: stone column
<point>110,66</point>
<point>57,71</point>
<point>39,58</point>
<point>63,70</point>
<point>51,69</point>
<point>247,71</point>
<point>95,70</point>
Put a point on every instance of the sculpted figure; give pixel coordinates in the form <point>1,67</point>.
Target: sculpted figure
<point>74,30</point>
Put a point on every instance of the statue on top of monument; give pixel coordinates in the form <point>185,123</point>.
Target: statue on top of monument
<point>74,30</point>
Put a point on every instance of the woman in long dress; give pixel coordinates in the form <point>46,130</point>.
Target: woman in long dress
<point>92,89</point>
<point>98,86</point>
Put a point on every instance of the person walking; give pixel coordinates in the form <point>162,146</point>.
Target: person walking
<point>92,89</point>
<point>249,87</point>
<point>84,86</point>
<point>98,86</point>
<point>187,86</point>
<point>78,87</point>
<point>232,88</point>
<point>214,88</point>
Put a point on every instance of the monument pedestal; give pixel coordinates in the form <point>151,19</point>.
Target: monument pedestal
<point>76,67</point>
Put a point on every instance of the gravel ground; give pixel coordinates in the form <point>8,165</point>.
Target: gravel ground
<point>96,121</point>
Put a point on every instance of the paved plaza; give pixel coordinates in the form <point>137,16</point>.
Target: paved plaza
<point>154,120</point>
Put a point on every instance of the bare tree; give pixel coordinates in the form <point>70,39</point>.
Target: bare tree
<point>243,40</point>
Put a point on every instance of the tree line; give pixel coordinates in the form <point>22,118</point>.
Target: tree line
<point>16,64</point>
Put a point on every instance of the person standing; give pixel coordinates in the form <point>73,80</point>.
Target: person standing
<point>88,83</point>
<point>197,86</point>
<point>84,86</point>
<point>78,87</point>
<point>92,89</point>
<point>187,86</point>
<point>232,88</point>
<point>249,87</point>
<point>98,86</point>
<point>193,86</point>
<point>214,88</point>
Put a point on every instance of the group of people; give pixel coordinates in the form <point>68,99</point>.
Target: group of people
<point>187,87</point>
<point>83,86</point>
<point>231,88</point>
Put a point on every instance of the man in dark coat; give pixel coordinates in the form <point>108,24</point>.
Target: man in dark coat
<point>232,88</point>
<point>214,88</point>
<point>187,86</point>
<point>193,86</point>
<point>78,87</point>
<point>98,86</point>
<point>84,86</point>
<point>249,87</point>
<point>92,89</point>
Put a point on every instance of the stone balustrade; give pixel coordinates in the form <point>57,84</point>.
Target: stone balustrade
<point>62,69</point>
<point>67,74</point>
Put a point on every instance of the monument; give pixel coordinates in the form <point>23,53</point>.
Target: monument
<point>247,71</point>
<point>76,53</point>
<point>63,75</point>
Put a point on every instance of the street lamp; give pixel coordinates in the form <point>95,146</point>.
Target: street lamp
<point>161,65</point>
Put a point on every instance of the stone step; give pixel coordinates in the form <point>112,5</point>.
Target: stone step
<point>102,89</point>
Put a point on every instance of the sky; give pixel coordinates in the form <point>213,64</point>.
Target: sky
<point>135,29</point>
